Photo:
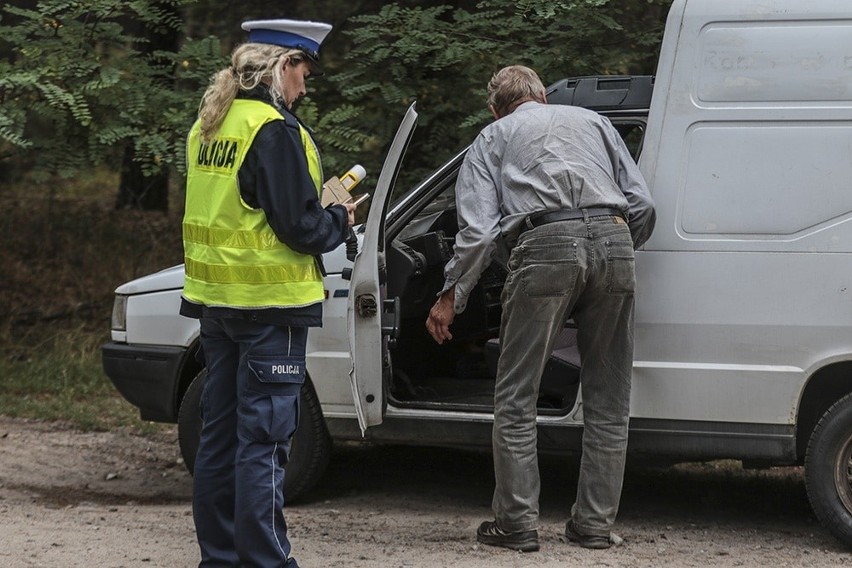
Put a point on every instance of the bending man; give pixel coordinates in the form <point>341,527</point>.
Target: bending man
<point>559,185</point>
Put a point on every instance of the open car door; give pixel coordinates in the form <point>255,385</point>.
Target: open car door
<point>367,339</point>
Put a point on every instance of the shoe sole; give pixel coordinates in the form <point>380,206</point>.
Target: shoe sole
<point>594,545</point>
<point>592,542</point>
<point>526,546</point>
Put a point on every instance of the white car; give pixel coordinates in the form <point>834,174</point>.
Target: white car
<point>431,394</point>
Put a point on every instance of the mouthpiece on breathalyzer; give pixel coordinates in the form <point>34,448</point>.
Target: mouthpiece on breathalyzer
<point>351,178</point>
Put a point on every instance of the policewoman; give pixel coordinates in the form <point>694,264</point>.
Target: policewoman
<point>253,232</point>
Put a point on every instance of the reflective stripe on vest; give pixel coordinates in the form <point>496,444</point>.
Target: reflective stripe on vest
<point>232,256</point>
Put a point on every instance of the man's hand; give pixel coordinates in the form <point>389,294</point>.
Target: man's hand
<point>441,316</point>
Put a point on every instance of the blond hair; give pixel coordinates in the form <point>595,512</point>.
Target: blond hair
<point>251,65</point>
<point>511,86</point>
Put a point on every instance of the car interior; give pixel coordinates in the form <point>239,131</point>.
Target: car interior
<point>460,373</point>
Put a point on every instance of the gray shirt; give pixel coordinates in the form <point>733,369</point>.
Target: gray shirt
<point>539,158</point>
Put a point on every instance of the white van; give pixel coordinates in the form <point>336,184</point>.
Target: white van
<point>744,307</point>
<point>744,315</point>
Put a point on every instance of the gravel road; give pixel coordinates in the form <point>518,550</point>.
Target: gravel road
<point>115,499</point>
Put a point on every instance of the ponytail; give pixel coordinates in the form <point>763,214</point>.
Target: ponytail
<point>251,64</point>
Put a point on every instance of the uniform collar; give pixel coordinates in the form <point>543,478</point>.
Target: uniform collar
<point>262,93</point>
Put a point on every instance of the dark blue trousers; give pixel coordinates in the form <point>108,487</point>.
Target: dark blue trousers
<point>250,409</point>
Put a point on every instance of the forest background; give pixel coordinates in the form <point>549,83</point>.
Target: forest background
<point>96,98</point>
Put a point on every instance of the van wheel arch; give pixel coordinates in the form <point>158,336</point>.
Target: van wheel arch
<point>824,389</point>
<point>310,451</point>
<point>828,469</point>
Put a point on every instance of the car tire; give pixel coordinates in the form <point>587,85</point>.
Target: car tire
<point>189,420</point>
<point>309,453</point>
<point>828,470</point>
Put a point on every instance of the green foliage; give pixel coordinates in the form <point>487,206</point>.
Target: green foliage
<point>82,81</point>
<point>443,56</point>
<point>65,382</point>
<point>79,82</point>
<point>63,256</point>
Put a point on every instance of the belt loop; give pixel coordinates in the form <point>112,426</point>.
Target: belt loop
<point>588,223</point>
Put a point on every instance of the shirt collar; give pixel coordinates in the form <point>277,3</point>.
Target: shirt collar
<point>528,105</point>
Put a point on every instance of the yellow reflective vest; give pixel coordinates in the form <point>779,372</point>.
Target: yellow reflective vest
<point>232,256</point>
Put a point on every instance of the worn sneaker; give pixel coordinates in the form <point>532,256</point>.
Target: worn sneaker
<point>590,540</point>
<point>524,541</point>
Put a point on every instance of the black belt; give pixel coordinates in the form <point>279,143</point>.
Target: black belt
<point>545,217</point>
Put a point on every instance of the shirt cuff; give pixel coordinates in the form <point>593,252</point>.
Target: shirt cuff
<point>460,296</point>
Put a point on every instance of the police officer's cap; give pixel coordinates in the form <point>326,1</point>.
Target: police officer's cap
<point>296,34</point>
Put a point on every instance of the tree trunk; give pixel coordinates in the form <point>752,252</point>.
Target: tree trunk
<point>137,191</point>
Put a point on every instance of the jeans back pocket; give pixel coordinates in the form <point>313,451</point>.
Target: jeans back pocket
<point>549,270</point>
<point>620,266</point>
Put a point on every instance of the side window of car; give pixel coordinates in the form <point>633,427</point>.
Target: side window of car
<point>633,134</point>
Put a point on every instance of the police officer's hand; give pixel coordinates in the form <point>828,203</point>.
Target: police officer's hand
<point>350,211</point>
<point>441,316</point>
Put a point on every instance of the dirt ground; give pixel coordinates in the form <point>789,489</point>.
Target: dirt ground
<point>114,499</point>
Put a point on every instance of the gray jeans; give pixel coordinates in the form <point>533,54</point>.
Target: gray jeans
<point>582,269</point>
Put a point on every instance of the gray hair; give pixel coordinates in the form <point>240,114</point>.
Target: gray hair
<point>251,64</point>
<point>511,86</point>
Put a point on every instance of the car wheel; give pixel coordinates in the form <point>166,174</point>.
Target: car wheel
<point>309,453</point>
<point>828,469</point>
<point>189,420</point>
